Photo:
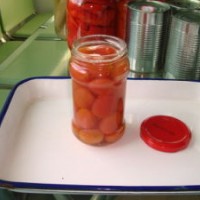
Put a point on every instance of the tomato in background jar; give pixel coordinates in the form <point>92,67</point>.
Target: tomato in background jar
<point>99,67</point>
<point>87,17</point>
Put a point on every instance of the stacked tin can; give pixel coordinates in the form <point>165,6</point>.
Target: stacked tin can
<point>177,5</point>
<point>183,51</point>
<point>147,32</point>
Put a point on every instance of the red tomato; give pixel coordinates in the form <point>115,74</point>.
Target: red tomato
<point>78,73</point>
<point>94,29</point>
<point>97,14</point>
<point>115,136</point>
<point>104,106</point>
<point>98,49</point>
<point>110,124</point>
<point>101,86</point>
<point>120,69</point>
<point>120,106</point>
<point>85,119</point>
<point>83,98</point>
<point>75,129</point>
<point>91,136</point>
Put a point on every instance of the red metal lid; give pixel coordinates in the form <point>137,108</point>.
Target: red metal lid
<point>165,133</point>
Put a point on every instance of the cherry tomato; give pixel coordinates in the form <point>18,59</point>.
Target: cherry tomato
<point>98,49</point>
<point>83,98</point>
<point>120,69</point>
<point>85,119</point>
<point>104,106</point>
<point>111,123</point>
<point>101,86</point>
<point>78,73</point>
<point>110,138</point>
<point>91,136</point>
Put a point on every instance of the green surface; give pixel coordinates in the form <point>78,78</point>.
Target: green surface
<point>39,58</point>
<point>3,96</point>
<point>14,12</point>
<point>19,17</point>
<point>8,48</point>
<point>48,31</point>
<point>32,25</point>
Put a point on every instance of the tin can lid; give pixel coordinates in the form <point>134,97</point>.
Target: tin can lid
<point>190,16</point>
<point>165,133</point>
<point>148,6</point>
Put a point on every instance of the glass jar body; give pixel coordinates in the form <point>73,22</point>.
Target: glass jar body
<point>99,70</point>
<point>87,17</point>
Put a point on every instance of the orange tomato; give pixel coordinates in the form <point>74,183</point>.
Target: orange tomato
<point>101,86</point>
<point>120,69</point>
<point>75,129</point>
<point>115,136</point>
<point>91,136</point>
<point>104,106</point>
<point>120,105</point>
<point>98,50</point>
<point>110,124</point>
<point>83,98</point>
<point>85,119</point>
<point>78,73</point>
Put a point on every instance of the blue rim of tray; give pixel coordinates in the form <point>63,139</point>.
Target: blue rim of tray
<point>105,189</point>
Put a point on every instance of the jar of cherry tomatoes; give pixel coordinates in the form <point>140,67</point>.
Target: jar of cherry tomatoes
<point>87,17</point>
<point>99,67</point>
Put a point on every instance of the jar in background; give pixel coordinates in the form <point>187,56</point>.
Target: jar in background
<point>99,67</point>
<point>87,17</point>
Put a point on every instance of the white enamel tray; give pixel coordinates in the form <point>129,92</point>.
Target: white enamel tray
<point>39,152</point>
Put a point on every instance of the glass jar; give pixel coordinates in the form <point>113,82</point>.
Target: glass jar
<point>99,67</point>
<point>87,17</point>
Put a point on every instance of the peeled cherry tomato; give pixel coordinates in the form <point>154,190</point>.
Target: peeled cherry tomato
<point>91,17</point>
<point>91,136</point>
<point>83,98</point>
<point>77,73</point>
<point>110,138</point>
<point>75,129</point>
<point>101,86</point>
<point>98,50</point>
<point>111,123</point>
<point>85,119</point>
<point>104,106</point>
<point>120,69</point>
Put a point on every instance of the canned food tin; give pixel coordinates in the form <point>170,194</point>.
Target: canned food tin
<point>182,58</point>
<point>147,32</point>
<point>184,4</point>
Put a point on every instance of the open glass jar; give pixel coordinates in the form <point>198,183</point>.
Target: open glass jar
<point>99,67</point>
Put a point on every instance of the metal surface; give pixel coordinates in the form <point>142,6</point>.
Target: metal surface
<point>184,4</point>
<point>146,34</point>
<point>182,59</point>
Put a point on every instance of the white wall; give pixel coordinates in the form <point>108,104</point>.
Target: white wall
<point>44,5</point>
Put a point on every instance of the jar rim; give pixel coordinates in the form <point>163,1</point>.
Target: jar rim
<point>97,39</point>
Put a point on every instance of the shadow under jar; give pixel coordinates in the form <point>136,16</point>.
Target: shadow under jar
<point>99,67</point>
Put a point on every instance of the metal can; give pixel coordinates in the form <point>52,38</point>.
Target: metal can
<point>147,33</point>
<point>87,17</point>
<point>184,4</point>
<point>122,16</point>
<point>182,58</point>
<point>99,67</point>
